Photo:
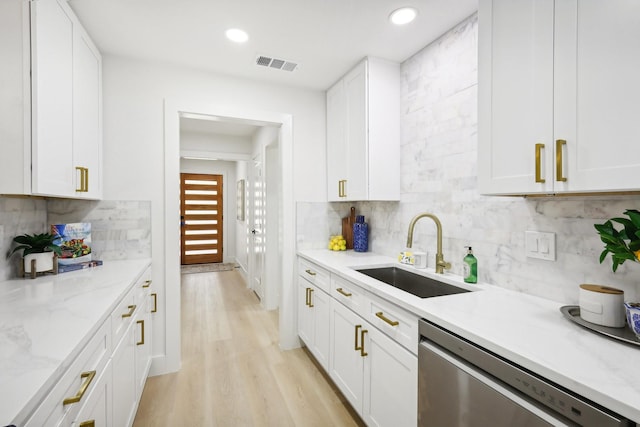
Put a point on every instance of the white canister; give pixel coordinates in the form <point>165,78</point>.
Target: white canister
<point>420,259</point>
<point>602,305</point>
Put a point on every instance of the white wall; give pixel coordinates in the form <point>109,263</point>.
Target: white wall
<point>228,172</point>
<point>241,226</point>
<point>134,95</point>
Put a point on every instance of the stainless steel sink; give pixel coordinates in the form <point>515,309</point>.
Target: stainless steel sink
<point>420,286</point>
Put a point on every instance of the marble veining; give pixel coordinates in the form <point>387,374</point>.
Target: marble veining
<point>45,322</point>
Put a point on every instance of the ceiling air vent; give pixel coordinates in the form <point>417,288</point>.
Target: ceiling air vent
<point>278,64</point>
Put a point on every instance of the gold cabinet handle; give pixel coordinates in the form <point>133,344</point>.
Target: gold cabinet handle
<point>539,148</point>
<point>362,352</point>
<point>86,179</point>
<point>147,283</point>
<point>559,144</point>
<point>306,298</point>
<point>83,389</point>
<point>90,423</point>
<point>341,188</point>
<point>310,273</point>
<point>346,294</point>
<point>381,315</point>
<point>141,323</point>
<point>81,169</point>
<point>131,308</point>
<point>155,302</point>
<point>356,346</point>
<point>310,296</point>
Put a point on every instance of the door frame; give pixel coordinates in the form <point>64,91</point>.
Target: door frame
<point>173,109</point>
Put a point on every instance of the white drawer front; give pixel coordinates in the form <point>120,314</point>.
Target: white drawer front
<point>123,314</point>
<point>397,323</point>
<point>349,294</point>
<point>314,274</point>
<point>63,403</point>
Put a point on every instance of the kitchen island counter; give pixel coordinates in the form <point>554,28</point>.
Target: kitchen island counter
<point>45,323</point>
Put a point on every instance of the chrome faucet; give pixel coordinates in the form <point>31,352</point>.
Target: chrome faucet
<point>441,264</point>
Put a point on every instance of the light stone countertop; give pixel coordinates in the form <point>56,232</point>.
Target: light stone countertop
<point>45,323</point>
<point>528,330</point>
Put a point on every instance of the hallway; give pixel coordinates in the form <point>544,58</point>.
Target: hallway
<point>233,373</point>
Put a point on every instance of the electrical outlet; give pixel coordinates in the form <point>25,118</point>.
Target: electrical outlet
<point>540,245</point>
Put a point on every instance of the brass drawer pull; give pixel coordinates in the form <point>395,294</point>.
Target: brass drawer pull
<point>90,423</point>
<point>381,315</point>
<point>147,283</point>
<point>362,352</point>
<point>131,308</point>
<point>559,144</point>
<point>539,178</point>
<point>346,294</point>
<point>310,296</point>
<point>83,389</point>
<point>356,346</point>
<point>141,323</point>
<point>310,273</point>
<point>306,299</point>
<point>155,302</point>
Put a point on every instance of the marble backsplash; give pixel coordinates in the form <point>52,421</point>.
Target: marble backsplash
<point>119,229</point>
<point>439,168</point>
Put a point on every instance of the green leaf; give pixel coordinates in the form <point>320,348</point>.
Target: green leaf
<point>603,255</point>
<point>634,215</point>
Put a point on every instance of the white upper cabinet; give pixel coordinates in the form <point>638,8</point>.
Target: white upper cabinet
<point>558,96</point>
<point>363,133</point>
<point>53,140</point>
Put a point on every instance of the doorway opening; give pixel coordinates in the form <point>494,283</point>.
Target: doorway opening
<point>201,218</point>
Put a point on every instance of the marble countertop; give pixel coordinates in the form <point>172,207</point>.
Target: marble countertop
<point>525,329</point>
<point>44,324</point>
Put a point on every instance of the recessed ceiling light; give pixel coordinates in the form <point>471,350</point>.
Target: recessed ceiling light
<point>237,35</point>
<point>402,16</point>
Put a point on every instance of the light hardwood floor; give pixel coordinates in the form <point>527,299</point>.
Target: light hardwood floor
<point>233,373</point>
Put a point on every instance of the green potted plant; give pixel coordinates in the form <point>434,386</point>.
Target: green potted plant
<point>623,244</point>
<point>39,247</point>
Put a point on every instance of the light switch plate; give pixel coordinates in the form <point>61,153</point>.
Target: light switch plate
<point>540,245</point>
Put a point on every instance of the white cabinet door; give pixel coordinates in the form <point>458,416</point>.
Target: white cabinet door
<point>143,332</point>
<point>357,132</point>
<point>97,411</point>
<point>52,99</point>
<point>87,116</point>
<point>597,58</point>
<point>320,309</point>
<point>313,320</point>
<point>305,321</point>
<point>557,103</point>
<point>124,380</point>
<point>390,383</point>
<point>363,133</point>
<point>346,359</point>
<point>336,140</point>
<point>515,95</point>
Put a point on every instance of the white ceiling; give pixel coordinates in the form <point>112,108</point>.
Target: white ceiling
<point>325,37</point>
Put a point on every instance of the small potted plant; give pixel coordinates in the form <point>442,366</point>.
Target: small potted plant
<point>623,244</point>
<point>38,247</point>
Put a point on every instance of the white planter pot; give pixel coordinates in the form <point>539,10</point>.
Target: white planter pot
<point>44,262</point>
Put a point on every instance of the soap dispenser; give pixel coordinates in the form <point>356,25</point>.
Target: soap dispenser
<point>470,264</point>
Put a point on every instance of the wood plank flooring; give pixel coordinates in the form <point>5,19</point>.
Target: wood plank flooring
<point>233,373</point>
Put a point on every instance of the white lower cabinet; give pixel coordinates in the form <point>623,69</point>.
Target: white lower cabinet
<point>313,320</point>
<point>124,380</point>
<point>377,375</point>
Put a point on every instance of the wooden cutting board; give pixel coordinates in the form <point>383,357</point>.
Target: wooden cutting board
<point>347,227</point>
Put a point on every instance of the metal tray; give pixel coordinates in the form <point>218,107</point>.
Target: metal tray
<point>626,335</point>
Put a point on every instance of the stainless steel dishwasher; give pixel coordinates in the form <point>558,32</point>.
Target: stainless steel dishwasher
<point>463,385</point>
